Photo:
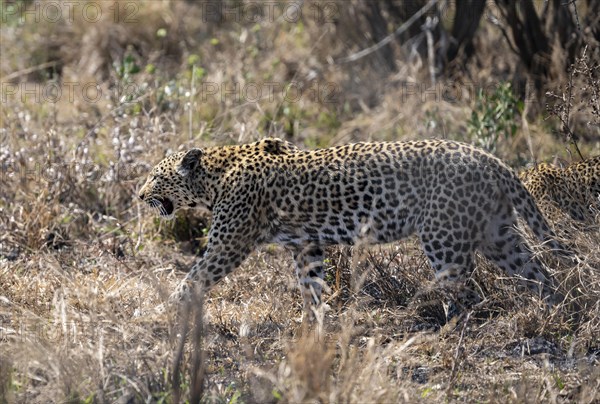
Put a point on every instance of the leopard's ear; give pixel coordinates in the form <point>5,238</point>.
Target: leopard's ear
<point>189,162</point>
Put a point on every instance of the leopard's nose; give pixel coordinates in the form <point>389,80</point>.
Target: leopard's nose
<point>141,195</point>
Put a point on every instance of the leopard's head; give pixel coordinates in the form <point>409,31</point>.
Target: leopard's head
<point>175,183</point>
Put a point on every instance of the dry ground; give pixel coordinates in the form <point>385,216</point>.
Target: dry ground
<point>84,266</point>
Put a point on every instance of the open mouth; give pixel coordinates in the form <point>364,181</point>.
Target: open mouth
<point>165,206</point>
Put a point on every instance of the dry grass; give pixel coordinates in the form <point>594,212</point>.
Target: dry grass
<point>83,266</point>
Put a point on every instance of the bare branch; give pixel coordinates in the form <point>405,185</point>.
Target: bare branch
<point>361,54</point>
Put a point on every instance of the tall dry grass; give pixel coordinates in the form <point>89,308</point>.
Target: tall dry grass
<point>83,265</point>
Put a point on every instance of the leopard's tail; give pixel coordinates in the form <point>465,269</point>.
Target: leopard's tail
<point>525,205</point>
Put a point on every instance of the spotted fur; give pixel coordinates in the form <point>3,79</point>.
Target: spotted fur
<point>574,190</point>
<point>458,199</point>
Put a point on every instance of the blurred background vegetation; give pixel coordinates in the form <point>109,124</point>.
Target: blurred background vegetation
<point>121,83</point>
<point>93,93</point>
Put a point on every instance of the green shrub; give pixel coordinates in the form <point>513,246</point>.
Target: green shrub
<point>494,115</point>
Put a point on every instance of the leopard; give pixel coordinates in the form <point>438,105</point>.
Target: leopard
<point>571,192</point>
<point>458,199</point>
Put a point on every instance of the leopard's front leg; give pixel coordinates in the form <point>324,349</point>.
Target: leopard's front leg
<point>229,243</point>
<point>205,273</point>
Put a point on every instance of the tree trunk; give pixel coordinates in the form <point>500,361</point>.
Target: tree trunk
<point>466,21</point>
<point>531,42</point>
